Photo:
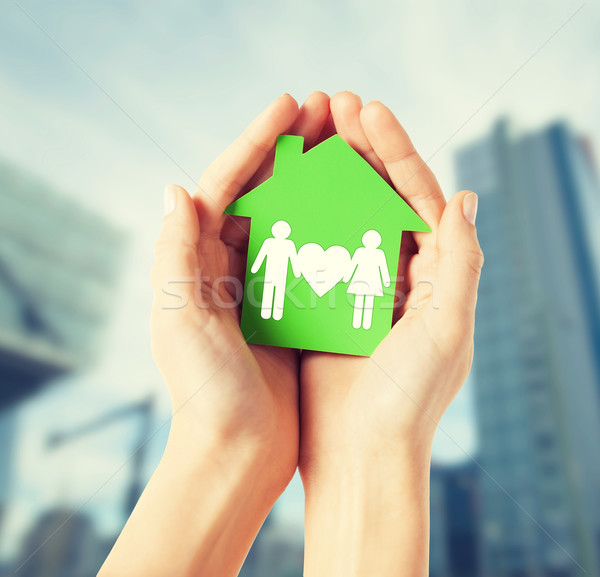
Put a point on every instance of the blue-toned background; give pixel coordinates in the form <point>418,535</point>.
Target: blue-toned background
<point>102,104</point>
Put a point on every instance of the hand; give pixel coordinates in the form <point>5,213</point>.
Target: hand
<point>233,444</point>
<point>222,389</point>
<point>367,424</point>
<point>401,392</point>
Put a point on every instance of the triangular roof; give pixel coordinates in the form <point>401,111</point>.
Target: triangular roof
<point>330,159</point>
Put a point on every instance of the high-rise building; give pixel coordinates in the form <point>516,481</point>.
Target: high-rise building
<point>277,551</point>
<point>58,264</point>
<point>537,359</point>
<point>62,543</point>
<point>280,551</point>
<point>454,548</point>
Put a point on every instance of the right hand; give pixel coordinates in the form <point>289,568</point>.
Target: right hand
<point>396,397</point>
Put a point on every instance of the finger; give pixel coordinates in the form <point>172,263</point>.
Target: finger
<point>309,123</point>
<point>327,131</point>
<point>408,249</point>
<point>410,174</point>
<point>226,176</point>
<point>175,253</point>
<point>460,262</point>
<point>345,111</point>
<point>311,118</point>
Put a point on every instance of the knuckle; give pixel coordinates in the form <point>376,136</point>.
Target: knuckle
<point>470,259</point>
<point>175,240</point>
<point>214,182</point>
<point>161,247</point>
<point>405,156</point>
<point>173,256</point>
<point>257,144</point>
<point>475,260</point>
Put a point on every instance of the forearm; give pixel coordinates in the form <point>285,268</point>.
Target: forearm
<point>198,515</point>
<point>369,515</point>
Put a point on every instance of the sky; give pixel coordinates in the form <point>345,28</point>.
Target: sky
<point>108,102</point>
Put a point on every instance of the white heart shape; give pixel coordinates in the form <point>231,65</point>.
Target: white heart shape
<point>323,269</point>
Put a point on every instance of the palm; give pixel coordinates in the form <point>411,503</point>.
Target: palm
<point>243,393</point>
<point>257,390</point>
<point>401,386</point>
<point>223,258</point>
<point>390,389</point>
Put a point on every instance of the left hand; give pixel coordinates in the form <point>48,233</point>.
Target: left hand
<point>233,444</point>
<point>225,392</point>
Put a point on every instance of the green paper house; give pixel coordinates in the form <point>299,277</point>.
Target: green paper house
<point>325,237</point>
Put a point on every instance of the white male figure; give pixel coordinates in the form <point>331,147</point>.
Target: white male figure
<point>278,252</point>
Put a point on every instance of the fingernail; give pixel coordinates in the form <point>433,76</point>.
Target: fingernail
<point>470,207</point>
<point>169,199</point>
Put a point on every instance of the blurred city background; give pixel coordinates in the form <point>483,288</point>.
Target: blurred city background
<point>105,103</point>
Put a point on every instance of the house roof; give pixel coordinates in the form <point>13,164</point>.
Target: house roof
<point>331,176</point>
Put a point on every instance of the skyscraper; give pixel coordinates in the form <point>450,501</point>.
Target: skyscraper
<point>62,543</point>
<point>537,343</point>
<point>58,263</point>
<point>454,550</point>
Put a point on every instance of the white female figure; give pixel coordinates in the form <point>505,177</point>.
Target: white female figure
<point>368,270</point>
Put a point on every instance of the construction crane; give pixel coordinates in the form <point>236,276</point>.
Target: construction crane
<point>144,408</point>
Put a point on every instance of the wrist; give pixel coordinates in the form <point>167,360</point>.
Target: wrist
<point>361,466</point>
<point>251,461</point>
<point>375,509</point>
<point>323,457</point>
<point>199,513</point>
<point>194,450</point>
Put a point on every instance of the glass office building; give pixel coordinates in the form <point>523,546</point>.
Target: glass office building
<point>537,343</point>
<point>58,263</point>
<point>454,542</point>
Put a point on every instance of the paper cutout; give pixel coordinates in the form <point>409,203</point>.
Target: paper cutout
<point>367,271</point>
<point>323,269</point>
<point>300,294</point>
<point>277,251</point>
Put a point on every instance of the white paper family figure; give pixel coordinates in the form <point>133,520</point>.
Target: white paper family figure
<point>366,271</point>
<point>278,252</point>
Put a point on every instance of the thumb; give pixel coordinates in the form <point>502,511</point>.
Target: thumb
<point>460,261</point>
<point>175,253</point>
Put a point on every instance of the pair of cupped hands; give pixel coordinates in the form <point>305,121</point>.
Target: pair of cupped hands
<point>288,409</point>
